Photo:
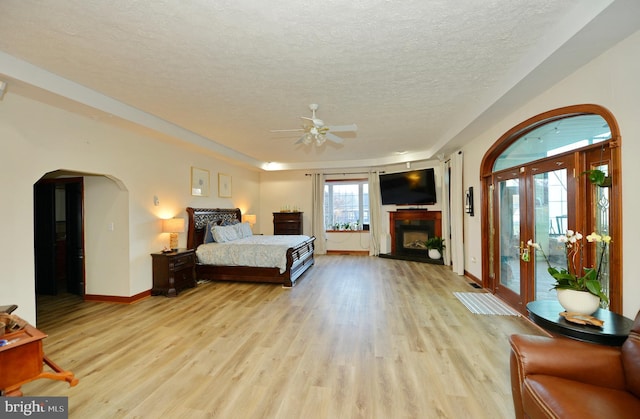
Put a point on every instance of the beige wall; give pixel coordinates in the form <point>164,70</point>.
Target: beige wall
<point>610,81</point>
<point>280,189</point>
<point>130,167</point>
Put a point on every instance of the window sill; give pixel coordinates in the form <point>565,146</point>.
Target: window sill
<point>346,231</point>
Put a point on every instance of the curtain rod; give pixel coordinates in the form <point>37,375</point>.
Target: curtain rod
<point>344,173</point>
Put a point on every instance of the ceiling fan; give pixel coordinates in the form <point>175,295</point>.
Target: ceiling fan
<point>316,131</point>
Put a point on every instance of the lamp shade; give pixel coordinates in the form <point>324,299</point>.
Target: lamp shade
<point>250,218</point>
<point>173,225</point>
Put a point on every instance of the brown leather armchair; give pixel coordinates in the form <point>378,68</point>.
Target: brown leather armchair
<point>564,378</point>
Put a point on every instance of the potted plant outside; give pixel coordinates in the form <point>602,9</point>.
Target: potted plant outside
<point>435,245</point>
<point>598,177</point>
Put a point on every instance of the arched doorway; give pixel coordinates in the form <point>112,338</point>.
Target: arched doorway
<point>99,215</point>
<point>533,188</point>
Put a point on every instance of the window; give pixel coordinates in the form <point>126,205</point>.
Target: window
<point>554,136</point>
<point>346,204</point>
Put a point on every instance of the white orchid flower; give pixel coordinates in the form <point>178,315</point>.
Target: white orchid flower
<point>530,243</point>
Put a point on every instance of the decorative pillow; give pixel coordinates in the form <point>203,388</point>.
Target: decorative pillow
<point>208,237</point>
<point>243,230</point>
<point>229,222</point>
<point>223,234</point>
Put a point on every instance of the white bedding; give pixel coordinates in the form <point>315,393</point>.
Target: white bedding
<point>257,251</point>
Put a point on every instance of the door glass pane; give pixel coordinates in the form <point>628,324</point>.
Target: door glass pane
<point>602,227</point>
<point>550,212</point>
<point>509,208</point>
<point>554,137</point>
<point>492,227</point>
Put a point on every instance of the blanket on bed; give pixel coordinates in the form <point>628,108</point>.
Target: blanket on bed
<point>257,251</point>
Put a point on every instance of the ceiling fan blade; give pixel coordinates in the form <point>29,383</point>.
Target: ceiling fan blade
<point>343,128</point>
<point>301,139</point>
<point>317,122</point>
<point>286,130</point>
<point>334,138</point>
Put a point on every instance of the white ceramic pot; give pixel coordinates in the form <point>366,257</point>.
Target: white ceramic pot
<point>581,302</point>
<point>434,254</point>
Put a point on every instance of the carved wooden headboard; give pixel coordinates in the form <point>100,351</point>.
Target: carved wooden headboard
<point>200,217</point>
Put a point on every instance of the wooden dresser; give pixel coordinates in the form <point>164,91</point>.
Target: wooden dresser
<point>287,223</point>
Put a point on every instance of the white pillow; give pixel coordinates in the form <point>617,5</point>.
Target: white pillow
<point>243,230</point>
<point>223,234</point>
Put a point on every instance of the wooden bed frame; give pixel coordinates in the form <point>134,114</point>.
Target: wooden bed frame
<point>299,258</point>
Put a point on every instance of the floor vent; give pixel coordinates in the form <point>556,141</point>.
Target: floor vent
<point>474,285</point>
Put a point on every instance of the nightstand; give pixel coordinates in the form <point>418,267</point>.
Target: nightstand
<point>173,272</point>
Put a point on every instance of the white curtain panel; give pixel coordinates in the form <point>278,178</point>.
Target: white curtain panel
<point>318,228</point>
<point>375,208</point>
<point>457,214</point>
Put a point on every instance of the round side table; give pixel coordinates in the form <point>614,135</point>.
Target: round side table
<point>613,332</point>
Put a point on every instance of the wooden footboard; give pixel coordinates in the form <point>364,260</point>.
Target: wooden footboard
<point>299,259</point>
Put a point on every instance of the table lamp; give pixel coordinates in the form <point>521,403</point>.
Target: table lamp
<point>250,218</point>
<point>173,226</point>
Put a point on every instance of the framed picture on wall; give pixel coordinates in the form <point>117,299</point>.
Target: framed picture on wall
<point>199,182</point>
<point>224,185</point>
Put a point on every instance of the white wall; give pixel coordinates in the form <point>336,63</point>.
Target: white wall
<point>611,81</point>
<point>106,203</point>
<point>37,138</point>
<point>348,241</point>
<point>281,189</point>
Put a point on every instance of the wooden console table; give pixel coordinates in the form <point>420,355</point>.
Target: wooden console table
<point>22,360</point>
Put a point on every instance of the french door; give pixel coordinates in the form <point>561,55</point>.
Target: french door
<point>530,202</point>
<point>535,188</point>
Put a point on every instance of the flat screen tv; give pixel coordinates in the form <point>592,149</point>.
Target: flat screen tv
<point>417,187</point>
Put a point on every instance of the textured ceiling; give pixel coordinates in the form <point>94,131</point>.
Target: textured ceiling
<point>412,74</point>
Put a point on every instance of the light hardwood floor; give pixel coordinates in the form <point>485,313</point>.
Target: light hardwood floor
<point>358,337</point>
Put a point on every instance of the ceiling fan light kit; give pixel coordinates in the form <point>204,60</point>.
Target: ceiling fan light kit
<point>317,132</point>
<point>308,138</point>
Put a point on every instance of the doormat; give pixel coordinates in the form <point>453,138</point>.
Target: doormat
<point>485,303</point>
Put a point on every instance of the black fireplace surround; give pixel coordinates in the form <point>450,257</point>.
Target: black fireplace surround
<point>411,236</point>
